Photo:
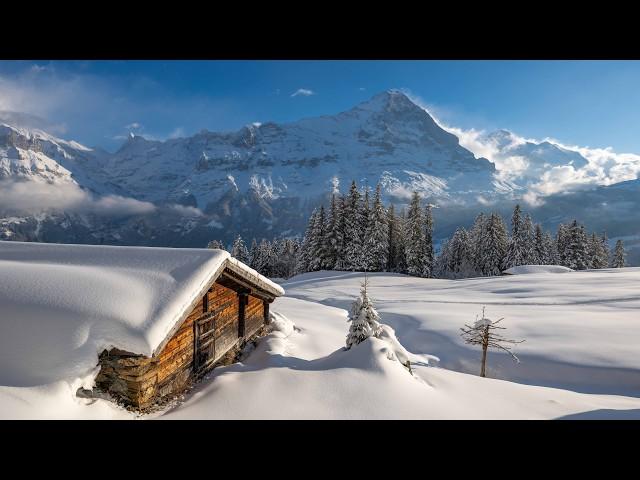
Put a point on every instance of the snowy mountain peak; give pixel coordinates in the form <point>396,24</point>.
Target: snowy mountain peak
<point>33,137</point>
<point>264,179</point>
<point>390,101</point>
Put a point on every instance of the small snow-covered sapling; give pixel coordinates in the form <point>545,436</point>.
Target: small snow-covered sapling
<point>483,333</point>
<point>365,320</point>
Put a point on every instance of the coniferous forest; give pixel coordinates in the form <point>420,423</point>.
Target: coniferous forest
<point>357,232</point>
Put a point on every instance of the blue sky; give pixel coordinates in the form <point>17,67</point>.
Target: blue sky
<point>586,103</point>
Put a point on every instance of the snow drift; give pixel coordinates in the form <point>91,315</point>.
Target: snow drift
<point>302,371</point>
<point>580,327</point>
<point>580,330</point>
<point>525,269</point>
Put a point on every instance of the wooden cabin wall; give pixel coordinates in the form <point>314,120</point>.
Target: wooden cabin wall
<point>141,381</point>
<point>254,315</point>
<point>227,303</point>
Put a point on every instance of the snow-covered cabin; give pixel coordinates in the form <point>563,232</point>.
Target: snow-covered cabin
<point>151,319</point>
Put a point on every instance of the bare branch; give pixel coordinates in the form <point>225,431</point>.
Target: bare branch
<point>483,334</point>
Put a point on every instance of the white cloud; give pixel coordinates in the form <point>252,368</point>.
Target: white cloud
<point>186,211</point>
<point>604,167</point>
<point>92,104</point>
<point>304,92</point>
<point>605,164</point>
<point>32,122</point>
<point>43,95</point>
<point>33,197</point>
<point>115,204</point>
<point>532,199</point>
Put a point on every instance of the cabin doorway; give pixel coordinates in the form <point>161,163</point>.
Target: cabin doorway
<point>205,342</point>
<point>216,331</point>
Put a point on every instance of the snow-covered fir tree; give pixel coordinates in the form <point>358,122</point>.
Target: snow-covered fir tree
<point>619,255</point>
<point>365,321</point>
<point>304,252</point>
<point>216,244</point>
<point>285,252</point>
<point>475,240</point>
<point>595,253</point>
<point>518,250</point>
<point>540,253</point>
<point>428,240</point>
<point>575,256</point>
<point>529,240</point>
<point>239,250</point>
<point>267,258</point>
<point>399,262</point>
<point>333,222</point>
<point>392,241</point>
<point>376,246</point>
<point>254,257</point>
<point>364,215</point>
<point>352,229</point>
<point>457,260</point>
<point>318,259</point>
<point>493,246</point>
<point>551,249</point>
<point>604,259</point>
<point>415,246</point>
<point>337,235</point>
<point>562,241</point>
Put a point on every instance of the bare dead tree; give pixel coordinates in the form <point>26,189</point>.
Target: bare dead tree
<point>483,333</point>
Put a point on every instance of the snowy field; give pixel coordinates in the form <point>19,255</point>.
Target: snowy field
<point>581,330</point>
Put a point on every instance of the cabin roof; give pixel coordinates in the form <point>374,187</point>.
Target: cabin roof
<point>67,298</point>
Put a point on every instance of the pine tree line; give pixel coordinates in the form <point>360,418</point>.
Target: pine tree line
<point>361,234</point>
<point>358,233</point>
<point>276,259</point>
<point>487,248</point>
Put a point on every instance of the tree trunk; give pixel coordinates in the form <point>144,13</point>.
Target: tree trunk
<point>485,345</point>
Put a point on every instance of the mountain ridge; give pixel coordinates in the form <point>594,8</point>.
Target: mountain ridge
<point>262,179</point>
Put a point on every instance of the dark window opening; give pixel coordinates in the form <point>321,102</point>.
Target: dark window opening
<point>205,303</point>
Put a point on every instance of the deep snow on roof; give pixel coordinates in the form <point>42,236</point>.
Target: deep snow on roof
<point>60,305</point>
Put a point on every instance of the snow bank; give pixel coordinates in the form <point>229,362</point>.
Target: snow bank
<point>305,373</point>
<point>56,401</point>
<point>63,304</point>
<point>525,269</point>
<point>280,324</point>
<point>581,328</point>
<point>301,370</point>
